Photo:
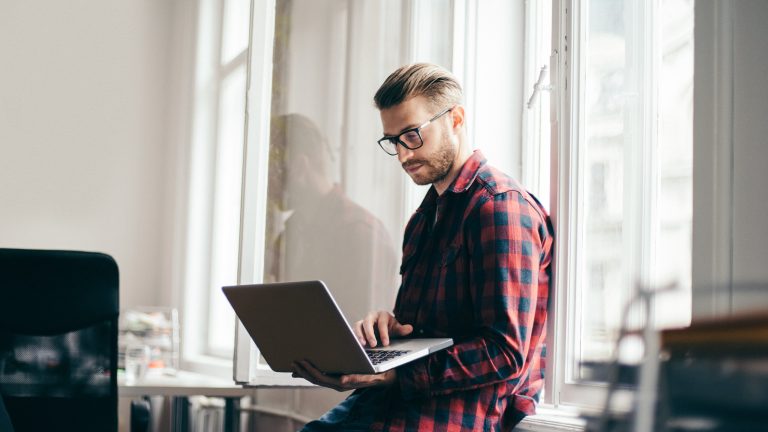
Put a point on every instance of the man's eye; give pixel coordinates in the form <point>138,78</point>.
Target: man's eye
<point>411,136</point>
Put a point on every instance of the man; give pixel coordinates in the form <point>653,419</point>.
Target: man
<point>476,267</point>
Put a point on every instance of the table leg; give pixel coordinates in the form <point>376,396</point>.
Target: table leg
<point>232,414</point>
<point>180,414</point>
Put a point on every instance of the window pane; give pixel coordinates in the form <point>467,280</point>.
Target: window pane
<point>338,204</point>
<point>334,197</point>
<point>675,159</point>
<point>226,211</point>
<point>606,103</point>
<point>634,167</point>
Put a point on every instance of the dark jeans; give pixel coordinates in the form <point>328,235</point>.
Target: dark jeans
<point>355,413</point>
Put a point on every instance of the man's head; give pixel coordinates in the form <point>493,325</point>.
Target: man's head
<point>300,160</point>
<point>423,122</point>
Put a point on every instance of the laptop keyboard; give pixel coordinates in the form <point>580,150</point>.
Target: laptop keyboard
<point>380,356</point>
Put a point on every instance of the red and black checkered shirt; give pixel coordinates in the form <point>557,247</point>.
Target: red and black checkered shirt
<point>476,268</point>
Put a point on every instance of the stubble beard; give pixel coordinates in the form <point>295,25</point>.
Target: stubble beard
<point>438,165</point>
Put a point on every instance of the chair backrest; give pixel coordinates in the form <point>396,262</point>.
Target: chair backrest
<point>58,340</point>
<point>5,421</point>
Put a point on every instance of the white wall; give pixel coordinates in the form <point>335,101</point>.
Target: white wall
<point>730,235</point>
<point>499,95</point>
<point>750,155</point>
<point>84,156</point>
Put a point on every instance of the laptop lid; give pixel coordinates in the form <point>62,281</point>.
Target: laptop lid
<point>291,321</point>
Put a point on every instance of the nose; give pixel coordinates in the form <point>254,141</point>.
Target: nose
<point>403,153</point>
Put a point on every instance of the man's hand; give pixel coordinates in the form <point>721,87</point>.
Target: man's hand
<point>306,370</point>
<point>383,322</point>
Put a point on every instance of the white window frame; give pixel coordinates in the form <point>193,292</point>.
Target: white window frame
<point>253,217</point>
<point>567,75</point>
<point>210,74</point>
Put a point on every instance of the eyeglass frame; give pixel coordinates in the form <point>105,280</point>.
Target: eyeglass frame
<point>395,139</point>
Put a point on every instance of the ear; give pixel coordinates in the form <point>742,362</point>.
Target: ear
<point>457,117</point>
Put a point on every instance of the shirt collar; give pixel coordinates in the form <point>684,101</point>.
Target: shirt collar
<point>468,173</point>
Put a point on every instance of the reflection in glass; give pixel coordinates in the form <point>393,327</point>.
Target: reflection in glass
<point>336,203</point>
<point>62,365</point>
<point>314,231</point>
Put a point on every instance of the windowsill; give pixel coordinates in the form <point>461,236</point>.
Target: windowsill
<point>208,365</point>
<point>553,420</point>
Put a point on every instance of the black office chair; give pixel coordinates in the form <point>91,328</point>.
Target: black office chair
<point>5,421</point>
<point>58,340</point>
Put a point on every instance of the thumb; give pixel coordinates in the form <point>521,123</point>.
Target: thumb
<point>402,329</point>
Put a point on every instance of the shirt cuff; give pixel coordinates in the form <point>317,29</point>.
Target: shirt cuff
<point>413,379</point>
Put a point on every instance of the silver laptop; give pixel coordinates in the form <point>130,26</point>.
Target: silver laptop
<point>293,321</point>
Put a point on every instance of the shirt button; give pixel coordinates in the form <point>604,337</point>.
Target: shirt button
<point>421,331</point>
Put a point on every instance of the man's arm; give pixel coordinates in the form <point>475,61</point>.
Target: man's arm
<point>506,243</point>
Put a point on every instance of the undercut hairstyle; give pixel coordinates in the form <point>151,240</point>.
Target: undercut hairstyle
<point>436,84</point>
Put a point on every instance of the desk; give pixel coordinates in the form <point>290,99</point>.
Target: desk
<point>183,385</point>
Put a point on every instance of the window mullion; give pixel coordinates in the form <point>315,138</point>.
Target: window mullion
<point>255,163</point>
<point>219,77</point>
<point>636,145</point>
<point>651,156</point>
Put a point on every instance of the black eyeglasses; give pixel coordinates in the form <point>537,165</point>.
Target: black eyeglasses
<point>410,139</point>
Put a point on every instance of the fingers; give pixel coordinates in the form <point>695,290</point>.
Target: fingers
<point>385,322</point>
<point>364,329</point>
<point>382,322</point>
<point>368,333</point>
<point>305,369</point>
<point>401,329</point>
<point>358,329</point>
<point>374,321</point>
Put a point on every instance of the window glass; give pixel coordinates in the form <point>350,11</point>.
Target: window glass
<point>633,176</point>
<point>331,190</point>
<point>336,203</point>
<point>215,180</point>
<point>226,210</point>
<point>675,203</point>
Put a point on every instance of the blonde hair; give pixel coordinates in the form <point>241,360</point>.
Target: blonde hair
<point>436,84</point>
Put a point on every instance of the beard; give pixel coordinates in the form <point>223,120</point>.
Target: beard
<point>436,165</point>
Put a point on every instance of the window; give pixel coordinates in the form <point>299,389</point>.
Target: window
<point>623,158</point>
<point>312,139</point>
<point>215,173</point>
<point>617,175</point>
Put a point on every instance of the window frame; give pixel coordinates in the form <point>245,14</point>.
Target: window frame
<point>568,76</point>
<point>211,75</point>
<point>563,69</point>
<point>248,364</point>
<point>253,217</point>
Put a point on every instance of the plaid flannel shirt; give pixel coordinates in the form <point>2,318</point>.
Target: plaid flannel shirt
<point>476,267</point>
